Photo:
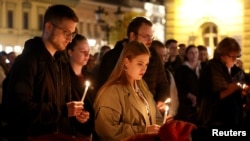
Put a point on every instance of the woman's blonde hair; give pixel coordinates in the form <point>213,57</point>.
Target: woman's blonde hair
<point>118,75</point>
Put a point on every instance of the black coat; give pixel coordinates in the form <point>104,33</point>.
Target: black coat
<point>36,91</point>
<point>187,81</point>
<point>227,112</point>
<point>77,89</point>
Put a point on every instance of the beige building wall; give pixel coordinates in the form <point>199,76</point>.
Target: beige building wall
<point>85,9</point>
<point>16,36</point>
<point>246,36</point>
<point>186,21</point>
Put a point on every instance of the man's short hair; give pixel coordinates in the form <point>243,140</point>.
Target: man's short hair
<point>136,23</point>
<point>56,13</point>
<point>169,41</point>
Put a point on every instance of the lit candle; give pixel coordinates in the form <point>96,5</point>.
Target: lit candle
<point>239,84</point>
<point>85,91</point>
<point>165,114</point>
<point>167,101</point>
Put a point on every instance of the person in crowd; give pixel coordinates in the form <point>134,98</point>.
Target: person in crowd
<point>181,50</point>
<point>11,56</point>
<point>220,89</point>
<point>203,55</point>
<point>124,105</point>
<point>140,29</point>
<point>162,51</point>
<point>187,82</point>
<point>174,60</point>
<point>91,64</point>
<point>3,62</point>
<point>37,94</point>
<point>104,49</point>
<point>78,52</point>
<point>4,70</point>
<point>239,63</point>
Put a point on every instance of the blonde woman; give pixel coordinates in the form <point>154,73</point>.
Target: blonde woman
<point>124,105</point>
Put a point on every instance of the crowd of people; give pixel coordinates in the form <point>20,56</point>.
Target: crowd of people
<point>129,84</point>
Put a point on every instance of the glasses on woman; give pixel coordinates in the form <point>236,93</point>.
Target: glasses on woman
<point>234,57</point>
<point>67,34</point>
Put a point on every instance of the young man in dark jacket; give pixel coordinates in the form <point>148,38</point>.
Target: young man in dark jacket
<point>37,89</point>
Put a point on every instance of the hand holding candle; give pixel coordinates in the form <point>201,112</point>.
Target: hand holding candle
<point>85,91</point>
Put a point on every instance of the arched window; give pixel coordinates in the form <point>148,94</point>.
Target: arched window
<point>210,34</point>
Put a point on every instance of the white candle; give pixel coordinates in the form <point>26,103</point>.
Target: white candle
<point>165,114</point>
<point>85,91</point>
<point>167,101</point>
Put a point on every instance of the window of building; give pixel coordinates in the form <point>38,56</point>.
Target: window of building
<point>80,28</point>
<point>97,34</point>
<point>10,19</point>
<point>25,20</point>
<point>89,33</point>
<point>210,34</point>
<point>40,22</point>
<point>10,14</point>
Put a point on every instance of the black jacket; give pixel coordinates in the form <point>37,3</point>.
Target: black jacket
<point>35,93</point>
<point>227,112</point>
<point>109,60</point>
<point>77,89</point>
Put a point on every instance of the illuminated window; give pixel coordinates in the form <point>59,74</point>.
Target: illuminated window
<point>210,34</point>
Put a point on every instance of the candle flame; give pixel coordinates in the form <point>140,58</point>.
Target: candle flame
<point>167,100</point>
<point>239,84</point>
<point>87,83</point>
<point>244,86</point>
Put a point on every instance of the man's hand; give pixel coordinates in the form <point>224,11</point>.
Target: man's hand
<point>192,98</point>
<point>74,108</point>
<point>153,128</point>
<point>161,106</point>
<point>83,117</point>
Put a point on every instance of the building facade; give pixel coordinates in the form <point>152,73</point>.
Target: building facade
<point>206,22</point>
<point>23,19</point>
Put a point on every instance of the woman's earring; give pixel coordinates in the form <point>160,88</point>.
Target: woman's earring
<point>125,68</point>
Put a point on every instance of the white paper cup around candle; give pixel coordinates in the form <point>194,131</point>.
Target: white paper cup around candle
<point>85,91</point>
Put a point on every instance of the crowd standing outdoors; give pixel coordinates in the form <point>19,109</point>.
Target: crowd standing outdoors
<point>42,88</point>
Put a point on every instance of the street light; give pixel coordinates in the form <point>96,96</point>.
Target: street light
<point>100,15</point>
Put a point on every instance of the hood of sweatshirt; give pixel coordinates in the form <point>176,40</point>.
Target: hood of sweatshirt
<point>35,46</point>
